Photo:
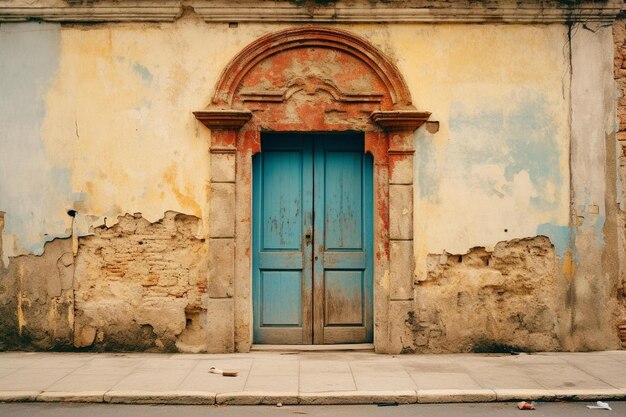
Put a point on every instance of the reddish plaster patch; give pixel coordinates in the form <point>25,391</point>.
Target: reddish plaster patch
<point>249,141</point>
<point>376,143</point>
<point>223,138</point>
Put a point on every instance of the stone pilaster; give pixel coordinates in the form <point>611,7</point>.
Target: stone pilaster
<point>221,222</point>
<point>400,126</point>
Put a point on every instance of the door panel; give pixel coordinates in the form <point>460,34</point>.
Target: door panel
<point>276,287</point>
<point>282,216</point>
<point>342,200</point>
<point>312,239</point>
<point>342,267</point>
<point>343,295</point>
<point>282,199</point>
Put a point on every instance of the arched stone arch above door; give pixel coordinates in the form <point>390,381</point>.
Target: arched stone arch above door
<point>309,79</point>
<point>293,49</point>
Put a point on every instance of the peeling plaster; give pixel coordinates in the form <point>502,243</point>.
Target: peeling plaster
<point>33,190</point>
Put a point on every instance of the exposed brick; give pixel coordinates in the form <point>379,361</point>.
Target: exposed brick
<point>137,281</point>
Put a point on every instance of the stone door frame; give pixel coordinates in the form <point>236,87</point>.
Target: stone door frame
<point>388,121</point>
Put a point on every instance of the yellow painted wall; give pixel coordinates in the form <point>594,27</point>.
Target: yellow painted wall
<point>117,119</point>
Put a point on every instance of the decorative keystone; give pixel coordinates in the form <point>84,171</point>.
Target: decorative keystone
<point>223,119</point>
<point>399,119</point>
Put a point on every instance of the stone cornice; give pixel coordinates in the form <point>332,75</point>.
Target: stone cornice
<point>223,118</point>
<point>90,11</point>
<point>303,11</point>
<point>399,119</point>
<point>427,11</point>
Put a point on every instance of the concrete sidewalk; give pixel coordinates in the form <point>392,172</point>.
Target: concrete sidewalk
<point>310,377</point>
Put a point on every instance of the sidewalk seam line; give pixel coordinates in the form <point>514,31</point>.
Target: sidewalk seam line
<point>356,388</point>
<point>593,376</point>
<point>185,377</point>
<point>467,371</point>
<point>523,370</point>
<point>245,383</point>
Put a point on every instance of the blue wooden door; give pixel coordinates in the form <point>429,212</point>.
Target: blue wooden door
<point>312,239</point>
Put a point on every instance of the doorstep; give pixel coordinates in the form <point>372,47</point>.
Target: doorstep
<point>360,347</point>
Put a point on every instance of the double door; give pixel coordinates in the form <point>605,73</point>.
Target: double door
<point>312,239</point>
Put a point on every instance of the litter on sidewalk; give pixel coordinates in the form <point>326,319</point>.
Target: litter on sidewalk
<point>215,370</point>
<point>523,405</point>
<point>600,405</point>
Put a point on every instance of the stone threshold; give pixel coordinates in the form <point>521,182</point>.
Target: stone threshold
<point>313,398</point>
<point>361,347</point>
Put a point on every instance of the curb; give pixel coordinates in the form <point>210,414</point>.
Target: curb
<point>429,396</point>
<point>18,396</point>
<point>436,396</point>
<point>357,397</point>
<point>73,397</point>
<point>161,397</point>
<point>256,398</point>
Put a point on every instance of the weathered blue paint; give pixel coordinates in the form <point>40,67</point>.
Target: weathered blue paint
<point>138,68</point>
<point>343,249</point>
<point>282,216</point>
<point>344,288</point>
<point>428,178</point>
<point>143,72</point>
<point>520,137</point>
<point>276,288</point>
<point>282,200</point>
<point>34,195</point>
<point>342,210</point>
<point>593,222</point>
<point>560,236</point>
<point>312,280</point>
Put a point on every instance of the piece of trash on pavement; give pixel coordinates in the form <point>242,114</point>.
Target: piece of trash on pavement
<point>523,405</point>
<point>386,404</point>
<point>600,405</point>
<point>214,370</point>
<point>279,404</point>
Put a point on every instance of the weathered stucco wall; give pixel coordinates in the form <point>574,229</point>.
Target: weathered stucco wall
<point>115,121</point>
<point>99,123</point>
<point>619,38</point>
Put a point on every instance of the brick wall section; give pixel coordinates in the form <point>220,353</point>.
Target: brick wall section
<point>483,299</point>
<point>140,285</point>
<point>619,37</point>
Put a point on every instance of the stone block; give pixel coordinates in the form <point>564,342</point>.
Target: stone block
<point>401,169</point>
<point>402,267</point>
<point>221,268</point>
<point>223,167</point>
<point>222,210</point>
<point>400,337</point>
<point>220,325</point>
<point>401,140</point>
<point>401,212</point>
